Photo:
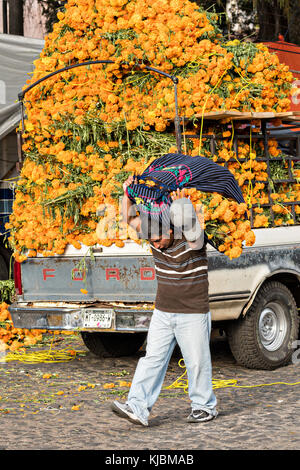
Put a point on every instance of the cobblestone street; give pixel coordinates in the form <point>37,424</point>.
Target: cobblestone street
<point>65,406</point>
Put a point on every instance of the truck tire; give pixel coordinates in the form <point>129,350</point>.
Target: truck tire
<point>113,344</point>
<point>263,338</point>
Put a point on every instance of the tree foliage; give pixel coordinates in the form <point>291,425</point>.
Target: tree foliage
<point>50,8</point>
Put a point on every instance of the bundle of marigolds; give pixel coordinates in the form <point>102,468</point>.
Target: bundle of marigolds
<point>270,193</point>
<point>88,128</point>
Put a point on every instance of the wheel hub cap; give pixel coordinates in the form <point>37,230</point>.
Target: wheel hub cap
<point>272,327</point>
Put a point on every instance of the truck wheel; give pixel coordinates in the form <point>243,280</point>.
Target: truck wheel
<point>113,344</point>
<point>263,338</point>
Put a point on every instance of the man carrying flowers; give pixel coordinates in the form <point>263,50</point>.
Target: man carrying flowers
<point>181,311</point>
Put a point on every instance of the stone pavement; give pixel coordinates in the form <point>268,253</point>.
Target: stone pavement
<point>69,409</point>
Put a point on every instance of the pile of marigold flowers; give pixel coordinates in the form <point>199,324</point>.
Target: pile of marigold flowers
<point>224,222</point>
<point>88,128</point>
<point>12,338</point>
<point>254,180</point>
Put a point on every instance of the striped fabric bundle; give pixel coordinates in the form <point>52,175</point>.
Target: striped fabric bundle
<point>173,171</point>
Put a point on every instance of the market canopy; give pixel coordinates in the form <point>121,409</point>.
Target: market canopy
<point>17,54</point>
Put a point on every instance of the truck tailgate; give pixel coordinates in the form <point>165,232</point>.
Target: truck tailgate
<point>130,278</point>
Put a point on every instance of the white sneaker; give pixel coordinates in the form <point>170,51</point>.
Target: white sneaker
<point>124,411</point>
<point>200,416</point>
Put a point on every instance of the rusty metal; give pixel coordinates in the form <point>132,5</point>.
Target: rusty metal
<point>106,278</point>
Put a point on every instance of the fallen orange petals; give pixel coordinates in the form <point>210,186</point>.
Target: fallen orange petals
<point>111,385</point>
<point>122,383</point>
<point>47,376</point>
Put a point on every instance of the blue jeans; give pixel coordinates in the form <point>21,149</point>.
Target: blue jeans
<point>192,332</point>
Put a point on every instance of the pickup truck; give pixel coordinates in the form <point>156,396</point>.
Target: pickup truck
<point>109,296</point>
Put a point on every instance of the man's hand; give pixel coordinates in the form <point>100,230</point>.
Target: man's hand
<point>128,211</point>
<point>128,182</point>
<point>179,194</point>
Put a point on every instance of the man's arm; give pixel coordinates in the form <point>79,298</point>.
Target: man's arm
<point>128,210</point>
<point>185,218</point>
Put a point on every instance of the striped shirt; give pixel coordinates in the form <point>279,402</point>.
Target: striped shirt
<point>182,278</point>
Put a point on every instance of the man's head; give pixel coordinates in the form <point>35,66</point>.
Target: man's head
<point>163,241</point>
<point>160,235</point>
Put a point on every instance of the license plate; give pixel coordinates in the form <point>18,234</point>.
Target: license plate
<point>98,319</point>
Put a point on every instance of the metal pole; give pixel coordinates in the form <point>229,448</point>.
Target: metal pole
<point>20,139</point>
<point>177,118</point>
<point>267,155</point>
<point>4,16</point>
